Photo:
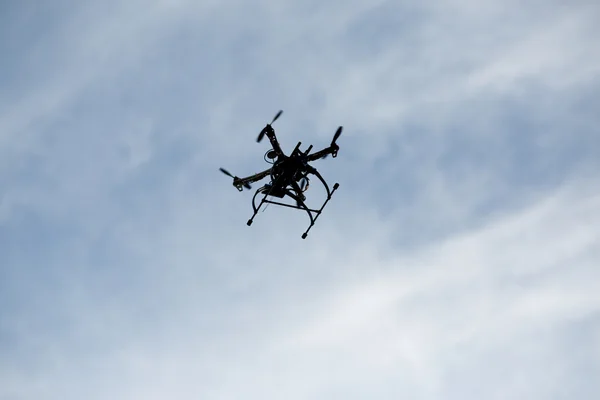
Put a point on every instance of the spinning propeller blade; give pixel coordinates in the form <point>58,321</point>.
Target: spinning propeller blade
<point>223,170</point>
<point>260,136</point>
<point>277,116</point>
<point>303,184</point>
<point>337,135</point>
<point>262,133</point>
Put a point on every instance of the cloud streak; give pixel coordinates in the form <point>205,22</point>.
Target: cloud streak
<point>459,258</point>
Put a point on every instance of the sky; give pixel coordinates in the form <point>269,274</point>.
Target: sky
<point>459,258</point>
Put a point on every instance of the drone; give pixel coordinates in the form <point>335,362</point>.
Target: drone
<point>289,175</point>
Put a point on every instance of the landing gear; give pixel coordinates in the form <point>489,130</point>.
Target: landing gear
<point>300,205</point>
<point>318,212</point>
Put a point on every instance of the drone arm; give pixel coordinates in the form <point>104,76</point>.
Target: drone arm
<point>270,132</point>
<point>332,149</point>
<point>324,153</point>
<point>253,178</point>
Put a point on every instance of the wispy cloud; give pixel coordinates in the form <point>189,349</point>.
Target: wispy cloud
<point>459,258</point>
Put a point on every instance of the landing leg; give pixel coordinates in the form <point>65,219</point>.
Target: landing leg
<point>254,215</point>
<point>262,201</point>
<point>312,222</point>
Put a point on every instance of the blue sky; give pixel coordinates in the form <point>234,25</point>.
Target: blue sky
<point>458,260</point>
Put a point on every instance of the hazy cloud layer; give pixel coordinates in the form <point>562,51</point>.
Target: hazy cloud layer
<point>460,258</point>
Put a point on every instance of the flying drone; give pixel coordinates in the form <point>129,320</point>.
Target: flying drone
<point>289,175</point>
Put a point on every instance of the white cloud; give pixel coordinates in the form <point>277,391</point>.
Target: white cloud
<point>469,307</point>
<point>458,259</point>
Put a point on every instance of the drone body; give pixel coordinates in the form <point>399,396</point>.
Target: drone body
<point>288,175</point>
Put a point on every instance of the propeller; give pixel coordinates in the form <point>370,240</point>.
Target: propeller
<point>223,170</point>
<point>276,117</point>
<point>262,133</point>
<point>336,136</point>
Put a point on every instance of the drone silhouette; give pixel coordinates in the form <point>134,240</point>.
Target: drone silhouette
<point>288,175</point>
